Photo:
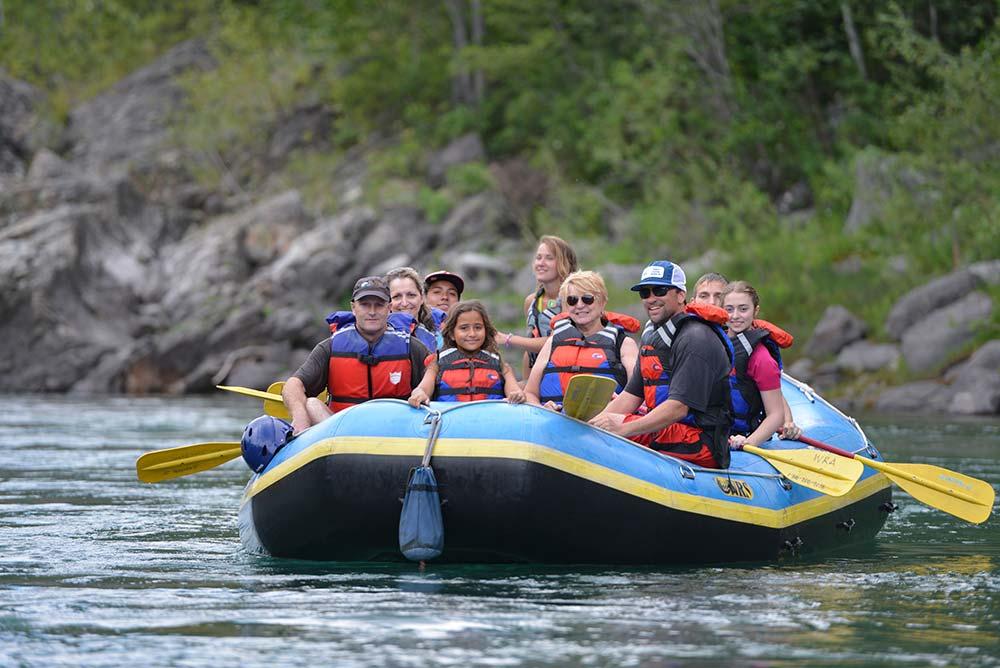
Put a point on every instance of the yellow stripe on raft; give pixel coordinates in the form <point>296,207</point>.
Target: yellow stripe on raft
<point>581,468</point>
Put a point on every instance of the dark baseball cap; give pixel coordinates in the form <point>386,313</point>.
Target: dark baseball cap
<point>370,286</point>
<point>454,279</point>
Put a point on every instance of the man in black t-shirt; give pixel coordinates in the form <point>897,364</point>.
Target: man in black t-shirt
<point>682,375</point>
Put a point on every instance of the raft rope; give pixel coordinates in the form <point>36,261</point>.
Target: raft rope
<point>812,396</point>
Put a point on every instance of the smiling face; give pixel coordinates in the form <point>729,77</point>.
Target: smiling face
<point>545,265</point>
<point>661,308</point>
<point>709,292</point>
<point>442,294</point>
<point>371,314</point>
<point>470,332</point>
<point>739,306</point>
<point>406,296</point>
<point>585,316</point>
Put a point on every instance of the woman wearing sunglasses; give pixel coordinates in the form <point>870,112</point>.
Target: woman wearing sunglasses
<point>585,339</point>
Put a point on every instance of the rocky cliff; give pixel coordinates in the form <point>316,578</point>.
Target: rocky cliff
<point>121,272</point>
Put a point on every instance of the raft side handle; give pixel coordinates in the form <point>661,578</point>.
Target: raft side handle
<point>686,471</point>
<point>786,484</point>
<point>847,525</point>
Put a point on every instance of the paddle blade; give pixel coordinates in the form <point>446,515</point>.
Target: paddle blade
<point>960,495</point>
<point>824,472</point>
<point>587,395</point>
<point>276,408</point>
<point>170,463</point>
<point>421,528</point>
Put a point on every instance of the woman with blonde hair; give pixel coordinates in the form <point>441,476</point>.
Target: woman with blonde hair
<point>554,261</point>
<point>585,339</point>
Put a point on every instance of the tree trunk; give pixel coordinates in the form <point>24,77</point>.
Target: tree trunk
<point>479,81</point>
<point>853,43</point>
<point>467,87</point>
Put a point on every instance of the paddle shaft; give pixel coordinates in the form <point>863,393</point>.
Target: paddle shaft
<point>892,470</point>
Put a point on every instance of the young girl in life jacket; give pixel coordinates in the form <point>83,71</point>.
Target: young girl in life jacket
<point>758,408</point>
<point>585,339</point>
<point>468,367</point>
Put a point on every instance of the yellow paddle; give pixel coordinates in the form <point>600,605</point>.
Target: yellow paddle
<point>160,465</point>
<point>960,495</point>
<point>273,405</point>
<point>829,474</point>
<point>587,395</point>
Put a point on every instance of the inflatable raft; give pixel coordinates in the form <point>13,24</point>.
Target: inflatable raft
<point>524,484</point>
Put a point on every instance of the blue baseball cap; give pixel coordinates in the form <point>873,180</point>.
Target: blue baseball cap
<point>662,272</point>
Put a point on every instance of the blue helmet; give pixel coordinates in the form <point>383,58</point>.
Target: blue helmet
<point>262,439</point>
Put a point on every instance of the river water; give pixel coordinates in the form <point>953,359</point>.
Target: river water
<point>97,569</point>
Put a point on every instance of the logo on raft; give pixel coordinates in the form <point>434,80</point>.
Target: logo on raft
<point>732,487</point>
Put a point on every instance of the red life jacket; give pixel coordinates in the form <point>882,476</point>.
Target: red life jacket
<point>463,377</point>
<point>778,335</point>
<point>573,353</point>
<point>360,370</point>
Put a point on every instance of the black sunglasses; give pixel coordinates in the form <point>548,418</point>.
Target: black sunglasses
<point>658,290</point>
<point>571,300</point>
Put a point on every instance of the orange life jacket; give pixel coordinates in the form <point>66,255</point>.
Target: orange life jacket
<point>360,370</point>
<point>463,377</point>
<point>573,353</point>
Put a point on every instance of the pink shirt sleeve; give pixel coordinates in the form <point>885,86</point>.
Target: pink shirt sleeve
<point>763,369</point>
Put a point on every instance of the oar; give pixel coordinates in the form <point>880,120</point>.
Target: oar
<point>960,495</point>
<point>828,474</point>
<point>160,465</point>
<point>587,395</point>
<point>273,404</point>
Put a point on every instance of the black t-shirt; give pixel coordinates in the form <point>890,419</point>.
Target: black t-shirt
<point>699,361</point>
<point>314,370</point>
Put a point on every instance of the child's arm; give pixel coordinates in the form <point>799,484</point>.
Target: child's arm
<point>423,392</point>
<point>511,388</point>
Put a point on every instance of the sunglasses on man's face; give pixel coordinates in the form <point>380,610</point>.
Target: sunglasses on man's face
<point>658,290</point>
<point>571,300</point>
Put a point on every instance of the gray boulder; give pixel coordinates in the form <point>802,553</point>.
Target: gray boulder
<point>482,273</point>
<point>986,356</point>
<point>18,124</point>
<point>129,122</point>
<point>928,345</point>
<point>976,392</point>
<point>914,398</point>
<point>988,272</point>
<point>877,178</point>
<point>465,149</point>
<point>865,356</point>
<point>837,327</point>
<point>918,303</point>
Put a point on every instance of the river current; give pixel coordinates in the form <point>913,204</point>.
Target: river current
<point>98,569</point>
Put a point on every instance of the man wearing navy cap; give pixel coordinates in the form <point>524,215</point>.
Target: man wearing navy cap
<point>682,375</point>
<point>365,359</point>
